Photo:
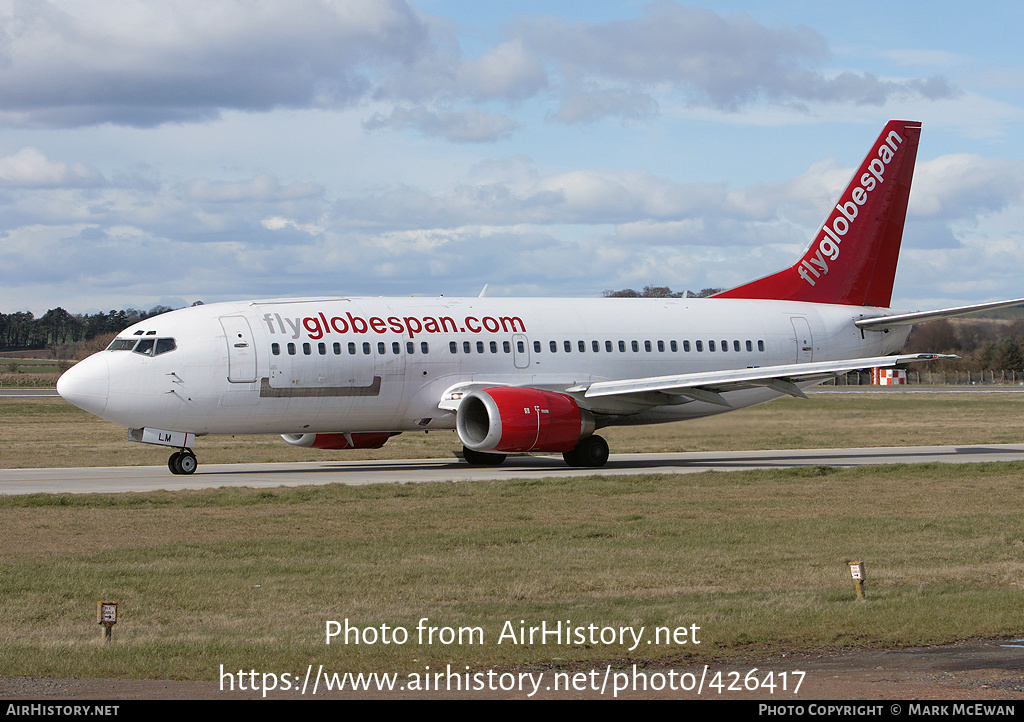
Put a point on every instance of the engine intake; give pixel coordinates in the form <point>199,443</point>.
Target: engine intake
<point>511,418</point>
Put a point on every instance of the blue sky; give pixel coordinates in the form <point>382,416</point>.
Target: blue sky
<point>170,152</point>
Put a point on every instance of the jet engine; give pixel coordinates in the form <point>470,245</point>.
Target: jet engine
<point>511,418</point>
<point>366,440</point>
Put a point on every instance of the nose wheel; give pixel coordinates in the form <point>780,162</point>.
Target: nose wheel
<point>182,462</point>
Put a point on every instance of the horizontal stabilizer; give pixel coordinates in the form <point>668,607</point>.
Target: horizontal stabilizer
<point>908,319</point>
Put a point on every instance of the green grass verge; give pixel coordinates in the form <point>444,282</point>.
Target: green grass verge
<point>249,578</point>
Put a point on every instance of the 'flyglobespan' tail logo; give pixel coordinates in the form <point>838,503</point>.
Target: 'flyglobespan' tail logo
<point>852,259</point>
<point>839,223</point>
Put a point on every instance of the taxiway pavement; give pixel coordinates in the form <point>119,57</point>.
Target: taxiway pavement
<point>150,478</point>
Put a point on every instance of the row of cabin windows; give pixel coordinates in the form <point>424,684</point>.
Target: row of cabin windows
<point>353,348</point>
<point>506,347</point>
<point>609,346</point>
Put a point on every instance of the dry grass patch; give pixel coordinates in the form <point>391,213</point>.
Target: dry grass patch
<point>49,432</point>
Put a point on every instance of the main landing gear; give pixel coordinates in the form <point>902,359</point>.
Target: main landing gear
<point>480,458</point>
<point>591,451</point>
<point>182,462</point>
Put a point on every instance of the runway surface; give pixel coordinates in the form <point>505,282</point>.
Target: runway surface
<point>151,478</point>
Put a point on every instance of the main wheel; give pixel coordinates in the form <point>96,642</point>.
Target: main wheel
<point>591,451</point>
<point>172,463</point>
<point>481,458</point>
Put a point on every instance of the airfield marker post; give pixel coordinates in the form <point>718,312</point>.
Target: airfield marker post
<point>106,617</point>
<point>857,572</point>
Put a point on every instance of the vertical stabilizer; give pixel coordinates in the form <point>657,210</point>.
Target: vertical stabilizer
<point>852,259</point>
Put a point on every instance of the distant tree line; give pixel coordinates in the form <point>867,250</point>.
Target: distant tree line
<point>983,343</point>
<point>21,330</point>
<point>660,292</point>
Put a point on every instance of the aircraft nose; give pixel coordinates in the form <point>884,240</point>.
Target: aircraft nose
<point>87,384</point>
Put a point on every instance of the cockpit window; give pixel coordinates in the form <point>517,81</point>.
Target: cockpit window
<point>163,345</point>
<point>146,346</point>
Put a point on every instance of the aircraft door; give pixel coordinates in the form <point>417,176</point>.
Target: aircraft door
<point>241,349</point>
<point>804,341</point>
<point>521,351</point>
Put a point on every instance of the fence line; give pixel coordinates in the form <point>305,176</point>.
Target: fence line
<point>937,378</point>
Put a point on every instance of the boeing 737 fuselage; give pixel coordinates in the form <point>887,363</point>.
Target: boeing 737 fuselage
<point>517,375</point>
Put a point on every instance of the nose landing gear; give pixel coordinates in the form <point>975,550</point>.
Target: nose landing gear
<point>182,462</point>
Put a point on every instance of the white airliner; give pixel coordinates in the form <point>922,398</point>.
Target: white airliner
<point>519,375</point>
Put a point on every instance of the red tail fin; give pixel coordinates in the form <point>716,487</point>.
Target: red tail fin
<point>853,257</point>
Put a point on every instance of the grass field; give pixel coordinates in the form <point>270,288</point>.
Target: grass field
<point>757,560</point>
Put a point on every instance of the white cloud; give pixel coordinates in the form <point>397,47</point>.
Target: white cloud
<point>70,64</point>
<point>142,64</point>
<point>28,168</point>
<point>466,126</point>
<point>722,62</point>
<point>965,186</point>
<point>262,188</point>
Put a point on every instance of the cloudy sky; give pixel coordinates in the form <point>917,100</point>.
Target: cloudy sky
<point>223,149</point>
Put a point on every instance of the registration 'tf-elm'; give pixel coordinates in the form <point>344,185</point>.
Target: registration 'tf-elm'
<point>519,375</point>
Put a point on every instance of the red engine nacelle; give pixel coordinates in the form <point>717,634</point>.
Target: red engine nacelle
<point>366,440</point>
<point>510,418</point>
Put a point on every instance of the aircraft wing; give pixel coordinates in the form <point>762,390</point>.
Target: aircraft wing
<point>709,385</point>
<point>908,319</point>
